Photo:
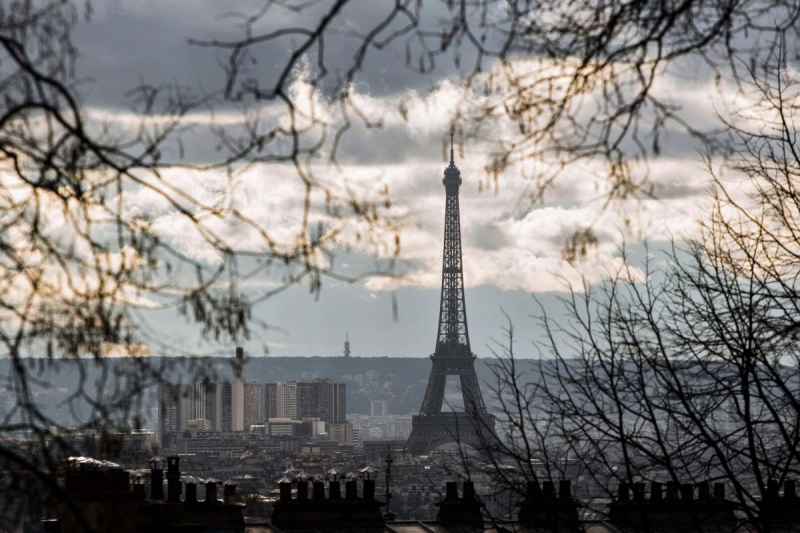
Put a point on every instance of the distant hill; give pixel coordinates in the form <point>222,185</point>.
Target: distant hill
<point>399,381</point>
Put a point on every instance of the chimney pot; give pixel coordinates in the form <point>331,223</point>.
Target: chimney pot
<point>285,492</point>
<point>173,479</point>
<point>790,489</point>
<point>719,491</point>
<point>548,490</point>
<point>773,488</point>
<point>687,492</point>
<point>673,489</point>
<point>369,489</point>
<point>191,493</point>
<point>450,491</point>
<point>211,492</point>
<point>469,491</point>
<point>623,494</point>
<point>318,490</point>
<point>704,491</point>
<point>302,490</point>
<point>351,489</point>
<point>533,491</point>
<point>656,493</point>
<point>229,491</point>
<point>564,489</point>
<point>334,490</point>
<point>156,484</point>
<point>638,492</point>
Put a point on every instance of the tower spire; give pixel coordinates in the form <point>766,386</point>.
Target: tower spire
<point>452,162</point>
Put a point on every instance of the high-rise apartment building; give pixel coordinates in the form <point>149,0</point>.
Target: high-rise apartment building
<point>238,392</point>
<point>213,395</point>
<point>322,398</point>
<point>177,405</point>
<point>168,410</point>
<point>307,399</point>
<point>253,405</point>
<point>225,399</point>
<point>270,396</point>
<point>286,400</point>
<point>192,403</point>
<point>332,401</point>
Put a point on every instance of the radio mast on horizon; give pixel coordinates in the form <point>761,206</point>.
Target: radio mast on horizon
<point>347,345</point>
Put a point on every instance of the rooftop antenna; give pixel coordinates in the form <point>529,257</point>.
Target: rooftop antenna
<point>451,146</point>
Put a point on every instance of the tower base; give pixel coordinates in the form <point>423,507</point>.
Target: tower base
<point>429,432</point>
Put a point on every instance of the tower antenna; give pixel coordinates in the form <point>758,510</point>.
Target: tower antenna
<point>451,146</point>
<point>347,344</point>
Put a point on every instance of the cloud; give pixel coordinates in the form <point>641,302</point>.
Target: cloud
<point>509,241</point>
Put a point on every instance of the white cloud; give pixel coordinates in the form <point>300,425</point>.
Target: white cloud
<point>508,242</point>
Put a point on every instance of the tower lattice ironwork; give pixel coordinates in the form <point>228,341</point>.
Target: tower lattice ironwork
<point>453,356</point>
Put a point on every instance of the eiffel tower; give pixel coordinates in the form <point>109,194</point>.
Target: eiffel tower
<point>453,357</point>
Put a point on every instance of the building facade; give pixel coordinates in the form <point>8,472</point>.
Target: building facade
<point>168,410</point>
<point>341,433</point>
<point>270,397</point>
<point>253,405</point>
<point>286,400</point>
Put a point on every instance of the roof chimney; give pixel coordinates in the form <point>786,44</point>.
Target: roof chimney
<point>548,490</point>
<point>656,492</point>
<point>777,510</point>
<point>540,508</point>
<point>191,492</point>
<point>229,490</point>
<point>320,513</point>
<point>675,511</point>
<point>790,489</point>
<point>564,489</point>
<point>211,490</point>
<point>156,478</point>
<point>455,511</point>
<point>451,491</point>
<point>173,479</point>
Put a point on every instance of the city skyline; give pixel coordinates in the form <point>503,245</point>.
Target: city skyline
<point>238,405</point>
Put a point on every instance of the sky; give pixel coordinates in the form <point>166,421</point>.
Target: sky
<point>513,251</point>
